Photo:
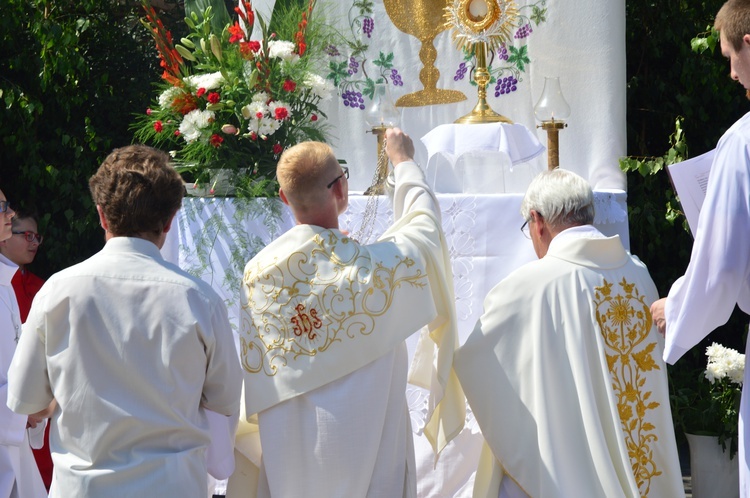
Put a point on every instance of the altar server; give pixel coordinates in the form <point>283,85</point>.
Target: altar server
<point>133,349</point>
<point>324,321</point>
<point>19,475</point>
<point>563,370</point>
<point>718,275</point>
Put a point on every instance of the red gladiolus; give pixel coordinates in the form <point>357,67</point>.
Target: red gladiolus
<point>289,86</point>
<point>249,49</point>
<point>237,33</point>
<point>277,148</point>
<point>314,117</point>
<point>158,127</point>
<point>213,98</point>
<point>216,140</point>
<point>281,113</point>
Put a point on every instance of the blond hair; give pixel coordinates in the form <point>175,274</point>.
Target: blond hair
<point>733,21</point>
<point>303,172</point>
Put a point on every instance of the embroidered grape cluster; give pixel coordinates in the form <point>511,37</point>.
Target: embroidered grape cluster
<point>524,31</point>
<point>460,72</point>
<point>353,66</point>
<point>506,85</point>
<point>396,78</point>
<point>332,51</point>
<point>367,25</point>
<point>502,53</point>
<point>353,99</point>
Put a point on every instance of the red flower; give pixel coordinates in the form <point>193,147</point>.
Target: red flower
<point>237,33</point>
<point>201,92</point>
<point>216,140</point>
<point>177,133</point>
<point>253,135</point>
<point>259,115</point>
<point>281,113</point>
<point>289,86</point>
<point>277,149</point>
<point>213,97</point>
<point>158,126</point>
<point>314,117</point>
<point>148,111</point>
<point>249,49</point>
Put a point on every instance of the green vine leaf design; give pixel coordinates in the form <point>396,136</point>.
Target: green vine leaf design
<point>519,57</point>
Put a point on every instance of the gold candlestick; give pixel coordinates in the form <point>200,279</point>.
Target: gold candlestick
<point>553,128</point>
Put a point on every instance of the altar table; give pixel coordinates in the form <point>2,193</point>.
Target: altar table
<point>213,238</point>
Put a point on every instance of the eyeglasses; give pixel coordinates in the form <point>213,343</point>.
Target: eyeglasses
<point>525,229</point>
<point>4,206</point>
<point>31,236</point>
<point>345,173</point>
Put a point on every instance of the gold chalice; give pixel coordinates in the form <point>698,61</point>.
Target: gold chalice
<point>423,19</point>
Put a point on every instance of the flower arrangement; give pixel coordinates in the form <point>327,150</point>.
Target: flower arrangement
<point>712,408</point>
<point>231,102</point>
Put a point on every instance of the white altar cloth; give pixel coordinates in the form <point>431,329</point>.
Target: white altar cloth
<point>213,238</point>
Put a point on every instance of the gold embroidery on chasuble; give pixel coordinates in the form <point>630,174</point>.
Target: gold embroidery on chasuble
<point>625,322</point>
<point>302,305</point>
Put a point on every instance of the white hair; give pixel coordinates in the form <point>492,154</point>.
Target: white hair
<point>561,197</point>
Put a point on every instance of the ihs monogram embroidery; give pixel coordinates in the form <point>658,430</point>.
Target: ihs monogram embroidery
<point>328,292</point>
<point>303,324</point>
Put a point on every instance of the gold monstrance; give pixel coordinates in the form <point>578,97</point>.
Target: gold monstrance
<point>479,26</point>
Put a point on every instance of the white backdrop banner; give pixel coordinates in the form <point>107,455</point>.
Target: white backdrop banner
<point>581,42</point>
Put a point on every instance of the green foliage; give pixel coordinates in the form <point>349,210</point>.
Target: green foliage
<point>667,79</point>
<point>68,80</point>
<point>662,243</point>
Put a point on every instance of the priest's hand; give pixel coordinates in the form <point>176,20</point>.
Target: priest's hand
<point>398,146</point>
<point>657,313</point>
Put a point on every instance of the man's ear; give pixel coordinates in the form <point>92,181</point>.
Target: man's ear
<point>746,39</point>
<point>102,218</point>
<point>283,197</point>
<point>168,226</point>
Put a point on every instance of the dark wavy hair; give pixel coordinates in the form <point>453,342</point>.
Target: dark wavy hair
<point>137,189</point>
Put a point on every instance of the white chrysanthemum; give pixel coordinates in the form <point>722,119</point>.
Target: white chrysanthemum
<point>715,350</point>
<point>252,109</point>
<point>268,126</point>
<point>319,86</point>
<point>724,363</point>
<point>193,123</point>
<point>261,97</point>
<point>167,96</point>
<point>209,81</point>
<point>283,50</point>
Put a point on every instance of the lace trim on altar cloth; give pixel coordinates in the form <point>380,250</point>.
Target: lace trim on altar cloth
<point>608,209</point>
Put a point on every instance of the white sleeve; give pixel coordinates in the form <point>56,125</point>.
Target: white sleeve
<point>719,271</point>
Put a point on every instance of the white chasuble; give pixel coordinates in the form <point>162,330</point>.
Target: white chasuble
<point>324,319</point>
<point>564,375</point>
<point>323,306</point>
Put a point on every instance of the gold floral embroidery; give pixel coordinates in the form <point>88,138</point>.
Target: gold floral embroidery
<point>303,304</point>
<point>625,321</point>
